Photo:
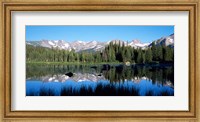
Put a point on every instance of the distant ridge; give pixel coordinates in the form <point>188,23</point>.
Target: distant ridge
<point>79,46</point>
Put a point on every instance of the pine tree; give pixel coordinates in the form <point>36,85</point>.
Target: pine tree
<point>139,57</point>
<point>148,56</point>
<point>154,51</point>
<point>159,53</point>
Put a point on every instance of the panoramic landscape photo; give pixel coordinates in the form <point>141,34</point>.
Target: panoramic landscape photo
<point>92,60</point>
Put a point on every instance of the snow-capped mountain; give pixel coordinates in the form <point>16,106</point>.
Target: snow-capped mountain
<point>60,44</point>
<point>79,46</point>
<point>166,41</point>
<point>138,44</point>
<point>76,45</point>
<point>85,46</point>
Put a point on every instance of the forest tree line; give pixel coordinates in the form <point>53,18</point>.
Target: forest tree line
<point>111,53</point>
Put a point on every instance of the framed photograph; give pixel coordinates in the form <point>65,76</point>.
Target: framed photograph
<point>98,60</point>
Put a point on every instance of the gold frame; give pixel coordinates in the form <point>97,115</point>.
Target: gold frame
<point>191,7</point>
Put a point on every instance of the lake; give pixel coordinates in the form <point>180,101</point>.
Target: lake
<point>99,80</point>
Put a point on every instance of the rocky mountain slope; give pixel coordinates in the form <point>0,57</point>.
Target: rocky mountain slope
<point>79,46</point>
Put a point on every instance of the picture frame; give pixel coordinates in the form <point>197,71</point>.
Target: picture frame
<point>191,7</point>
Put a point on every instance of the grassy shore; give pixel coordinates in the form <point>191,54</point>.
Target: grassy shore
<point>75,63</point>
<point>94,63</point>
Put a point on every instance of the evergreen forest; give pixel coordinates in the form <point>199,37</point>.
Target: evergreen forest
<point>112,53</point>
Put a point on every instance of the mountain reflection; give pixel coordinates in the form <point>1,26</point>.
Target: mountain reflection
<point>78,77</point>
<point>101,80</point>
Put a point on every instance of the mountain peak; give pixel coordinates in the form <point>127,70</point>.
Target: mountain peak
<point>99,46</point>
<point>166,41</point>
<point>137,44</point>
<point>135,41</point>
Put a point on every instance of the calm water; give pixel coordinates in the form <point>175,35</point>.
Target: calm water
<point>99,80</point>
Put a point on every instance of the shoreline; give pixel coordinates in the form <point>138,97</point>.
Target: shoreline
<point>101,63</point>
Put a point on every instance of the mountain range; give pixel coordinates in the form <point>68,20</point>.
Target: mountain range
<point>79,46</point>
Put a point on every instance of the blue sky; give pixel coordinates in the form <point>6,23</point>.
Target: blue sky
<point>98,33</point>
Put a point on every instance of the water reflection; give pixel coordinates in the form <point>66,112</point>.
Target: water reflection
<point>100,80</point>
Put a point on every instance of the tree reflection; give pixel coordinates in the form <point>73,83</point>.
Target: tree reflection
<point>159,74</point>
